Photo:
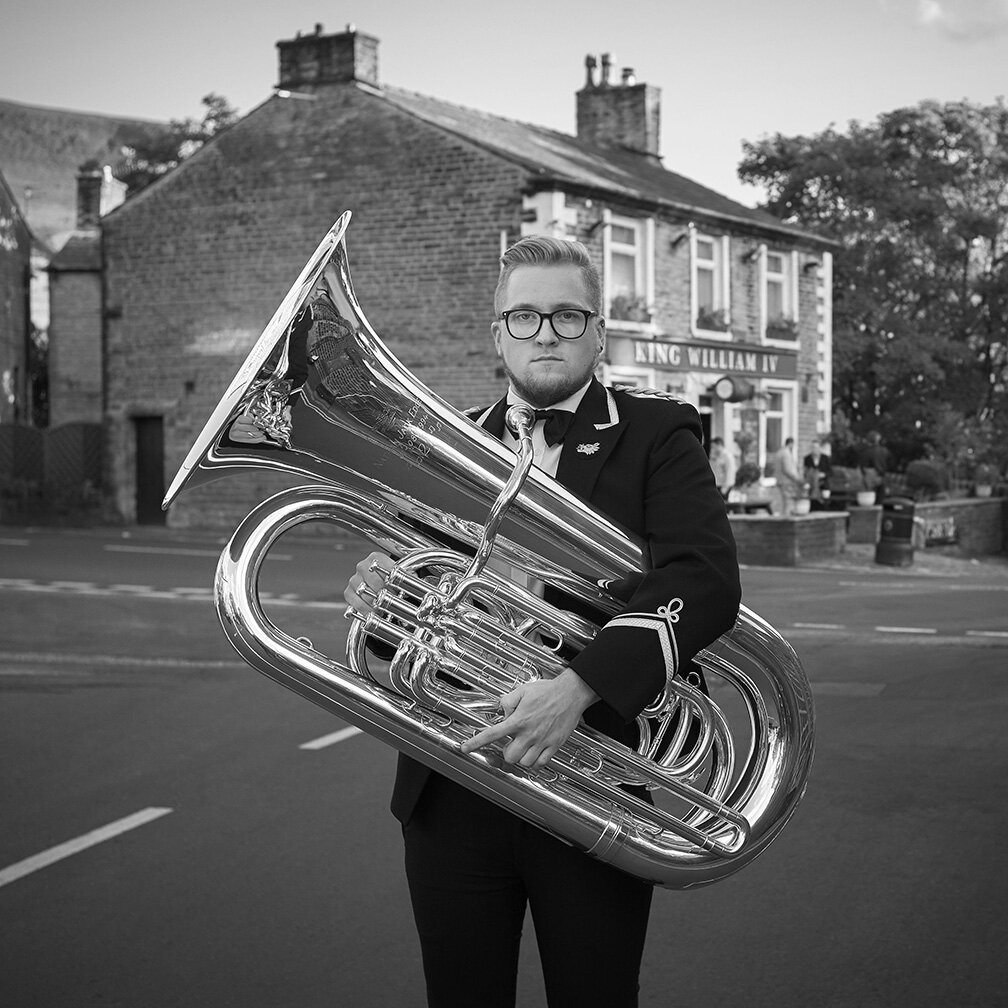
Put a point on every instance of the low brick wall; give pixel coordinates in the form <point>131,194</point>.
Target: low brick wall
<point>787,542</point>
<point>978,525</point>
<point>864,524</point>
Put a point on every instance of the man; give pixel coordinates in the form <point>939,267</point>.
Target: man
<point>785,471</point>
<point>723,466</point>
<point>816,469</point>
<point>472,867</point>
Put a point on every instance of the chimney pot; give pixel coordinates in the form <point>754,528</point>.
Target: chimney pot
<point>318,27</point>
<point>590,64</point>
<point>606,67</point>
<point>628,77</point>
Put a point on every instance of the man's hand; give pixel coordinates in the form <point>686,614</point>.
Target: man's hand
<point>539,717</point>
<point>366,583</point>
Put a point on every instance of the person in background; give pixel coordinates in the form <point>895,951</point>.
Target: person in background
<point>816,467</point>
<point>723,466</point>
<point>789,483</point>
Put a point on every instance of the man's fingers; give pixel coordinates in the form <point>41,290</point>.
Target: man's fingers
<point>491,734</point>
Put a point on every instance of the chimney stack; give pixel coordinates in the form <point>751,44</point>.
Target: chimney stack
<point>625,114</point>
<point>308,61</point>
<point>89,192</point>
<point>98,192</point>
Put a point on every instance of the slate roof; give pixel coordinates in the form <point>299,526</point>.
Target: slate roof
<point>42,148</point>
<point>553,156</point>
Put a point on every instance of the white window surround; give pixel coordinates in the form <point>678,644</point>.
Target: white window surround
<point>552,216</point>
<point>623,376</point>
<point>721,282</point>
<point>642,251</point>
<point>789,280</point>
<point>788,414</point>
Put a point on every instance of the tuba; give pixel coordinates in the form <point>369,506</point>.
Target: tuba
<point>713,779</point>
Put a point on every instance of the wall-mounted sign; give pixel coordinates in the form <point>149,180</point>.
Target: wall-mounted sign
<point>748,361</point>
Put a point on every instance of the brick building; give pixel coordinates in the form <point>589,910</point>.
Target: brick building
<point>698,288</point>
<point>16,243</point>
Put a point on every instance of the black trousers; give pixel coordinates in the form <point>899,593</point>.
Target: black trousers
<point>472,868</point>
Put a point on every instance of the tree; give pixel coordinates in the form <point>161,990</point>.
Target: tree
<point>918,202</point>
<point>150,151</point>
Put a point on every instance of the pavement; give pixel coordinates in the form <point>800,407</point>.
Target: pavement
<point>940,562</point>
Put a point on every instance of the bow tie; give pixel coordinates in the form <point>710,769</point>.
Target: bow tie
<point>557,423</point>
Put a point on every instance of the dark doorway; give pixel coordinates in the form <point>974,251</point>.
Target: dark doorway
<point>150,482</point>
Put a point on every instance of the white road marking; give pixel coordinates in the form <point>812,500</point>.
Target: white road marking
<point>858,689</point>
<point>64,850</point>
<point>14,542</point>
<point>328,740</point>
<point>52,658</point>
<point>987,633</point>
<point>819,626</point>
<point>179,551</point>
<point>180,594</point>
<point>923,586</point>
<point>905,629</point>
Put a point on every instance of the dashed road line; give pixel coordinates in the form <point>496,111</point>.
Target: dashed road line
<point>42,658</point>
<point>64,850</point>
<point>14,542</point>
<point>331,739</point>
<point>180,551</point>
<point>855,689</point>
<point>905,629</point>
<point>177,594</point>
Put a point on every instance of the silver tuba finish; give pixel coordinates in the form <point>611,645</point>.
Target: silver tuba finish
<point>321,398</point>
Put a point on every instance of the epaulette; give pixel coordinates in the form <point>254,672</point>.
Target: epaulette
<point>649,393</point>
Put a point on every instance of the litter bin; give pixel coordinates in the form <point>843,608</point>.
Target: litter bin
<point>895,544</point>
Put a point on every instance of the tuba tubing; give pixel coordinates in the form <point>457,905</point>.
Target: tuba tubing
<point>387,461</point>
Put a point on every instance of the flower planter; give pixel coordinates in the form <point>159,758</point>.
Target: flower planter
<point>802,506</point>
<point>865,498</point>
<point>984,489</point>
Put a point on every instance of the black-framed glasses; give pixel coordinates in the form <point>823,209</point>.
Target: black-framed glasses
<point>567,323</point>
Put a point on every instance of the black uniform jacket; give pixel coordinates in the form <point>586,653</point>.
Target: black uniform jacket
<point>640,461</point>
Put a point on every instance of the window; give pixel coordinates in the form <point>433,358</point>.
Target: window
<point>629,270</point>
<point>710,294</point>
<point>780,296</point>
<point>548,213</point>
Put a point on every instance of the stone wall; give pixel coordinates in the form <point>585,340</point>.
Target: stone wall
<point>763,540</point>
<point>978,525</point>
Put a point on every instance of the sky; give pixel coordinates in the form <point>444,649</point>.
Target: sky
<point>728,71</point>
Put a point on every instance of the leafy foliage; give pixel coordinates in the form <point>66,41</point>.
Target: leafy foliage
<point>151,151</point>
<point>918,201</point>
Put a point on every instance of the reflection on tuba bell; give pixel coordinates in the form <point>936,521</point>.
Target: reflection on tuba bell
<point>321,397</point>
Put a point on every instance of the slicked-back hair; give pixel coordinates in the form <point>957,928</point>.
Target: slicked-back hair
<point>539,250</point>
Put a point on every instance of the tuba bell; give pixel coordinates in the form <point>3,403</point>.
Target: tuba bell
<point>320,398</point>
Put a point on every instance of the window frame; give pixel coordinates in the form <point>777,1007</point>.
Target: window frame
<point>789,296</point>
<point>644,268</point>
<point>721,284</point>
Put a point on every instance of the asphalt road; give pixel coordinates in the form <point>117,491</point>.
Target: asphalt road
<point>177,830</point>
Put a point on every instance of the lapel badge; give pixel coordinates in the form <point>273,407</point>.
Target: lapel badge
<point>588,449</point>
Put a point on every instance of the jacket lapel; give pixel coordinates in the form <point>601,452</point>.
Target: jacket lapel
<point>593,434</point>
<point>492,420</point>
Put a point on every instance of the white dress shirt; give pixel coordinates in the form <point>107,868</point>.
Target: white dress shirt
<point>546,457</point>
